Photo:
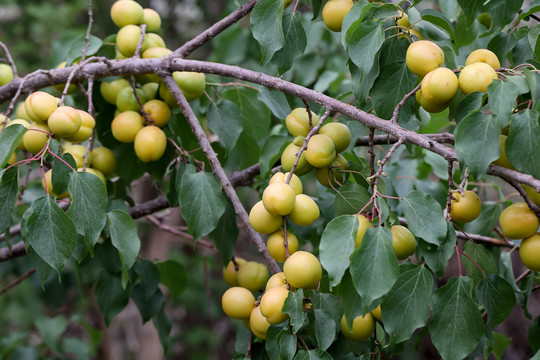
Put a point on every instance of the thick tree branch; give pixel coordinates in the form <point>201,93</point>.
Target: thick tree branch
<point>41,79</point>
<point>218,170</point>
<point>442,138</point>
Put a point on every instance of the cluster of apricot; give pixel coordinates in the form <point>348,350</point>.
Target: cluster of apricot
<point>323,149</point>
<point>129,123</point>
<point>301,270</point>
<point>439,84</point>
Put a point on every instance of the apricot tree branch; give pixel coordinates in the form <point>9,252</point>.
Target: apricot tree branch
<point>381,164</point>
<point>449,197</point>
<point>525,197</point>
<point>168,65</point>
<point>17,281</point>
<point>214,30</point>
<point>139,47</point>
<point>218,170</point>
<point>442,138</point>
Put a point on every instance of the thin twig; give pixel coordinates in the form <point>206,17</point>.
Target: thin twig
<point>88,30</point>
<point>218,170</point>
<point>464,180</point>
<point>386,158</point>
<point>523,275</point>
<point>17,281</point>
<point>449,197</point>
<point>138,49</point>
<point>10,60</point>
<point>395,114</point>
<point>144,114</point>
<point>371,153</point>
<point>525,197</point>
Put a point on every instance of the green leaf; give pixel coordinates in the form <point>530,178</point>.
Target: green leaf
<point>350,299</point>
<point>271,152</point>
<point>354,17</point>
<point>351,198</point>
<point>50,232</point>
<point>287,345</point>
<point>468,104</point>
<point>110,295</point>
<point>9,139</point>
<point>78,44</point>
<point>437,256</point>
<point>294,307</point>
<point>226,233</point>
<point>424,217</point>
<point>76,347</point>
<point>276,102</point>
<point>337,245</point>
<point>225,121</point>
<point>522,141</point>
<point>316,354</point>
<point>486,221</point>
<point>148,307</point>
<point>502,13</point>
<point>9,189</point>
<point>163,325</point>
<point>174,276</point>
<point>60,173</point>
<point>125,239</point>
<point>88,206</point>
<point>295,41</point>
<point>406,307</point>
<point>374,266</point>
<point>266,26</point>
<point>202,203</point>
<point>502,97</point>
<point>438,19</point>
<point>325,328</point>
<point>329,303</point>
<point>533,82</point>
<point>477,142</point>
<point>363,82</point>
<point>364,40</point>
<point>395,76</point>
<point>501,45</point>
<point>51,329</point>
<point>481,257</point>
<point>534,334</point>
<point>500,344</point>
<point>497,297</point>
<point>148,278</point>
<point>456,326</point>
<point>255,114</point>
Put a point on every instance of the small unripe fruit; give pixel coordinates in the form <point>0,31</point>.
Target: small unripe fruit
<point>150,143</point>
<point>192,85</point>
<point>339,134</point>
<point>288,157</point>
<point>126,125</point>
<point>334,12</point>
<point>126,12</point>
<point>423,56</point>
<point>466,207</point>
<point>127,40</point>
<point>158,111</point>
<point>252,276</point>
<point>151,19</point>
<point>320,151</point>
<point>36,138</point>
<point>104,160</point>
<point>279,198</point>
<point>362,328</point>
<point>230,273</point>
<point>65,121</point>
<point>529,251</point>
<point>126,101</point>
<point>403,242</point>
<point>258,323</point>
<point>518,221</point>
<point>278,280</point>
<point>262,221</point>
<point>363,225</point>
<point>78,152</point>
<point>40,105</point>
<point>295,182</point>
<point>484,56</point>
<point>476,77</point>
<point>305,211</point>
<point>302,270</point>
<point>272,304</point>
<point>6,74</point>
<point>85,131</point>
<point>109,89</point>
<point>238,302</point>
<point>297,122</point>
<point>440,85</point>
<point>276,245</point>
